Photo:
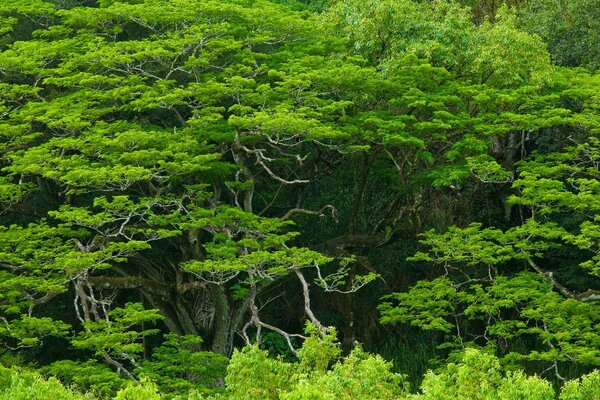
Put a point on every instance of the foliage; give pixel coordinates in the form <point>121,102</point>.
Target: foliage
<point>132,151</point>
<point>570,28</point>
<point>177,366</point>
<point>478,376</point>
<point>318,374</point>
<point>172,170</point>
<point>26,385</point>
<point>488,297</point>
<point>587,387</point>
<point>441,32</point>
<point>90,376</point>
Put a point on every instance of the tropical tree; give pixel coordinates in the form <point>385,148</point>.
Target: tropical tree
<point>160,158</point>
<point>570,28</point>
<point>135,140</point>
<point>532,281</point>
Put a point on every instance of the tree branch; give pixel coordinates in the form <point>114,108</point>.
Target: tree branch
<point>307,309</point>
<point>337,245</point>
<point>319,213</point>
<point>130,282</point>
<point>549,276</point>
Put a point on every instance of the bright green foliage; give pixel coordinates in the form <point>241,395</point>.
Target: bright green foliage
<point>319,374</point>
<point>483,10</point>
<point>30,331</point>
<point>484,296</point>
<point>146,390</point>
<point>457,84</point>
<point>566,182</point>
<point>160,160</point>
<point>177,366</point>
<point>521,306</point>
<point>478,376</point>
<point>588,387</point>
<point>25,385</point>
<point>442,32</point>
<point>252,374</point>
<point>141,138</point>
<point>359,376</point>
<point>91,376</point>
<point>135,137</point>
<point>25,249</point>
<point>318,350</point>
<point>115,334</point>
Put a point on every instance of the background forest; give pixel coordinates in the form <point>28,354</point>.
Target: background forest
<point>342,199</point>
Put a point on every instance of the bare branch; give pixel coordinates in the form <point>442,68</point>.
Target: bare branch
<point>120,367</point>
<point>45,298</point>
<point>255,320</point>
<point>261,158</point>
<point>307,309</point>
<point>549,276</point>
<point>319,213</point>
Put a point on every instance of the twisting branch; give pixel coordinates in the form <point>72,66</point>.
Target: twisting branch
<point>120,367</point>
<point>255,320</point>
<point>89,304</point>
<point>549,276</point>
<point>261,158</point>
<point>319,213</point>
<point>278,178</point>
<point>307,309</point>
<point>588,295</point>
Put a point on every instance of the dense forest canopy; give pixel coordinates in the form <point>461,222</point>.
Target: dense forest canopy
<point>187,184</point>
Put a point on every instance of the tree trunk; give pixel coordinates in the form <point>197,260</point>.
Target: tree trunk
<point>227,321</point>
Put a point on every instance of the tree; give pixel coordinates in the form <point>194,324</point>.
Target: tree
<point>527,281</point>
<point>135,138</point>
<point>160,158</point>
<point>570,28</point>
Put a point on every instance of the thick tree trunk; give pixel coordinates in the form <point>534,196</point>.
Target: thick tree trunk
<point>227,321</point>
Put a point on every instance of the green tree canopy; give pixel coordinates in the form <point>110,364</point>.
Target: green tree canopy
<point>160,161</point>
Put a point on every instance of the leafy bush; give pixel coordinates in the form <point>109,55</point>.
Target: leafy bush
<point>25,385</point>
<point>478,377</point>
<point>320,374</point>
<point>588,387</point>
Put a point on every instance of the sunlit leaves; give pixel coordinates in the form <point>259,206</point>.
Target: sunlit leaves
<point>31,331</point>
<point>510,308</point>
<point>427,306</point>
<point>115,336</point>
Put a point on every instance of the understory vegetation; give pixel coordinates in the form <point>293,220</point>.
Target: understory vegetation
<point>300,199</point>
<point>319,374</point>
